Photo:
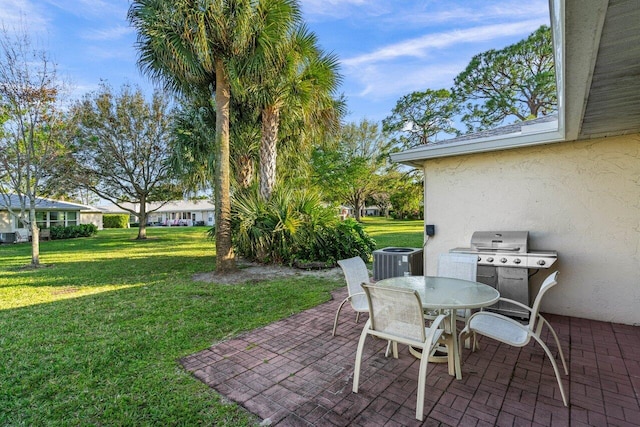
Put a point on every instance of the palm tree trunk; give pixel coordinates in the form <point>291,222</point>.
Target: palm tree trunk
<point>225,260</point>
<point>244,173</point>
<point>268,150</point>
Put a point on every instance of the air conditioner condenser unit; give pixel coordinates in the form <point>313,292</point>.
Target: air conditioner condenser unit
<point>395,262</point>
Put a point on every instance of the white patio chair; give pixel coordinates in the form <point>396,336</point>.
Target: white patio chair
<point>459,266</point>
<point>512,332</point>
<point>396,315</point>
<point>355,273</point>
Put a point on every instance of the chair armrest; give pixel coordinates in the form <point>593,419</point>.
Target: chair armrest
<point>517,303</point>
<point>438,320</point>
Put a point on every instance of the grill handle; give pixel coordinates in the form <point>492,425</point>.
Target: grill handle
<point>493,249</point>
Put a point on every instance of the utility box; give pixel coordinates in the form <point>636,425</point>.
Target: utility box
<point>395,262</point>
<point>7,237</point>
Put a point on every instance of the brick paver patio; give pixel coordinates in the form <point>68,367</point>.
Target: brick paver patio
<point>294,373</point>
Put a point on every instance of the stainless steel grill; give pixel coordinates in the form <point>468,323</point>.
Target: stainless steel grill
<point>504,261</point>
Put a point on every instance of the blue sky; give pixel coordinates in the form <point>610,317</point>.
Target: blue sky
<point>387,48</point>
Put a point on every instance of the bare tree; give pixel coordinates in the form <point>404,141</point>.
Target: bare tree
<point>32,132</point>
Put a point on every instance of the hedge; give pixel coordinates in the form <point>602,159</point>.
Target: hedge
<point>115,220</point>
<point>73,231</point>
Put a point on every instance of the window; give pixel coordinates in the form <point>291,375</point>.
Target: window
<point>56,219</point>
<point>72,218</point>
<point>41,219</point>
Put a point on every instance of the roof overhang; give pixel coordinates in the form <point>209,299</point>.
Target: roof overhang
<point>597,60</point>
<point>543,133</point>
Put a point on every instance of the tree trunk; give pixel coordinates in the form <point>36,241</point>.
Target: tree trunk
<point>358,202</point>
<point>35,235</point>
<point>225,260</point>
<point>142,219</point>
<point>268,150</point>
<point>244,173</point>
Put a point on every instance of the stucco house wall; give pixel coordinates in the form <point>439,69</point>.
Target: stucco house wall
<point>94,218</point>
<point>581,198</point>
<point>6,225</point>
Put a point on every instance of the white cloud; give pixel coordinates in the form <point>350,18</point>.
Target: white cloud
<point>338,9</point>
<point>23,15</point>
<point>422,46</point>
<point>484,12</point>
<point>113,33</point>
<point>92,9</point>
<point>379,82</point>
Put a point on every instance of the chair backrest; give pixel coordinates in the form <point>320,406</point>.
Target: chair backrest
<point>355,273</point>
<point>458,266</point>
<point>548,283</point>
<point>396,312</point>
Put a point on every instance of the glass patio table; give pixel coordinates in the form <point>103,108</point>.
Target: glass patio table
<point>444,293</point>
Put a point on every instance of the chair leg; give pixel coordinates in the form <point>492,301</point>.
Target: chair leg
<point>555,337</point>
<point>356,369</point>
<point>357,316</point>
<point>422,383</point>
<point>335,322</point>
<point>555,367</point>
<point>392,348</point>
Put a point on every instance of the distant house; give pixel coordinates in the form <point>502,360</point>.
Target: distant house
<point>178,212</point>
<point>49,213</point>
<point>373,211</point>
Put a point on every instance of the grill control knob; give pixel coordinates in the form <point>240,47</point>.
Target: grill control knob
<point>541,262</point>
<point>490,259</point>
<point>517,261</point>
<point>479,259</point>
<point>503,260</point>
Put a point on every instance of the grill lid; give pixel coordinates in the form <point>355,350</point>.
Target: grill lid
<point>500,241</point>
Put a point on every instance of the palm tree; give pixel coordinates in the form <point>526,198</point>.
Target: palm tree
<point>192,46</point>
<point>299,83</point>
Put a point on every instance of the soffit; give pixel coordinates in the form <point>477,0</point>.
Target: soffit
<point>613,103</point>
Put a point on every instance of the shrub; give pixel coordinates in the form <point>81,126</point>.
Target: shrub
<point>115,220</point>
<point>294,226</point>
<point>73,231</point>
<point>345,239</point>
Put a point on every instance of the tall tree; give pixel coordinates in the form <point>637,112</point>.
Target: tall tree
<point>348,171</point>
<point>192,47</point>
<point>32,132</point>
<point>419,117</point>
<point>122,149</point>
<point>517,81</point>
<point>300,81</point>
<point>407,195</point>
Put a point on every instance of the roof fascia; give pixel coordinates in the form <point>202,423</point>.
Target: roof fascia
<point>416,156</point>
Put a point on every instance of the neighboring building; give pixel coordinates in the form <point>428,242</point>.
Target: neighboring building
<point>572,181</point>
<point>49,213</point>
<point>179,212</point>
<point>373,211</point>
<point>348,211</point>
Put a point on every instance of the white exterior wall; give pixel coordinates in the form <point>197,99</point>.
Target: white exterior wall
<point>6,224</point>
<point>579,198</point>
<point>91,218</point>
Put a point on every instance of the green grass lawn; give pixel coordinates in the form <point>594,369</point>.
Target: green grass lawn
<point>95,338</point>
<point>394,233</point>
